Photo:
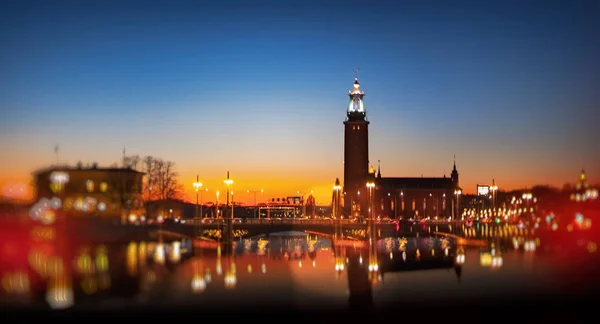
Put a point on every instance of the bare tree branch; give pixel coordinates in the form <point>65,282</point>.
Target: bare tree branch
<point>161,180</point>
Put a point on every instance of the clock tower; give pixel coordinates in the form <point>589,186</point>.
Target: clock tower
<point>356,154</point>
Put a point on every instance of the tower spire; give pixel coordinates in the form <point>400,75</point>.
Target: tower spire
<point>454,169</point>
<point>454,174</point>
<point>378,168</point>
<point>356,108</point>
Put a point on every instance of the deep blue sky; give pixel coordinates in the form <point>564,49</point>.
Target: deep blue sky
<point>511,87</point>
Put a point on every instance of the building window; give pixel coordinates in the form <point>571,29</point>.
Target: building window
<point>357,127</point>
<point>103,186</point>
<point>89,185</point>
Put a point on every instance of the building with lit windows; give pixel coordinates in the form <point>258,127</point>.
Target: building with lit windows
<point>417,197</point>
<point>392,197</point>
<point>109,193</point>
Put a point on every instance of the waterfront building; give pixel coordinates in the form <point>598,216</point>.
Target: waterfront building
<point>392,197</point>
<point>92,191</point>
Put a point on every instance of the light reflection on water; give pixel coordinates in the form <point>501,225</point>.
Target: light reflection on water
<point>290,269</point>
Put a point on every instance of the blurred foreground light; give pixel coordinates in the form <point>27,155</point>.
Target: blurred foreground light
<point>16,283</point>
<point>207,276</point>
<point>59,177</point>
<point>89,285</point>
<point>497,261</point>
<point>485,259</point>
<point>460,259</point>
<point>175,252</point>
<point>515,243</point>
<point>373,267</point>
<point>48,217</point>
<point>59,297</point>
<point>529,246</point>
<point>55,203</point>
<point>159,253</point>
<point>230,280</point>
<point>198,284</point>
<point>592,247</point>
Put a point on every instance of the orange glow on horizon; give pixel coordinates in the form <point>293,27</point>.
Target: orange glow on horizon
<point>273,187</point>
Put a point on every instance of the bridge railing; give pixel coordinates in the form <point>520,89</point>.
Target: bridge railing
<point>307,221</point>
<point>272,221</point>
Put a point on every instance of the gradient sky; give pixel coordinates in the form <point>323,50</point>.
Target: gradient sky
<point>260,88</point>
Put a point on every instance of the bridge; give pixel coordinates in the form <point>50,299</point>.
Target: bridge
<point>345,228</point>
<point>244,230</point>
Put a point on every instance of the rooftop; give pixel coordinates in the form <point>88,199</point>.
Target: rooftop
<point>81,168</point>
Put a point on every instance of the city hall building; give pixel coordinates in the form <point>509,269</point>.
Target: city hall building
<point>394,197</point>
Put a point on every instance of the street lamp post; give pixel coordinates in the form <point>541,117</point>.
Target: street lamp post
<point>371,222</point>
<point>197,186</point>
<point>336,208</point>
<point>337,219</point>
<point>494,190</point>
<point>457,194</point>
<point>232,205</point>
<point>228,182</point>
<point>402,204</point>
<point>255,206</point>
<point>149,199</point>
<point>370,187</point>
<point>202,202</point>
<point>229,220</point>
<point>217,206</point>
<point>527,197</point>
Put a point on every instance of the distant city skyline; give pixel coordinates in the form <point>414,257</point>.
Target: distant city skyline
<point>261,90</point>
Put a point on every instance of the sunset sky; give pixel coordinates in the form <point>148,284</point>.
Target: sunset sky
<point>260,88</point>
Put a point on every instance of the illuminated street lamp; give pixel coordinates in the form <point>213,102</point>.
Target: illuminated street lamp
<point>232,205</point>
<point>228,182</point>
<point>336,204</point>
<point>370,187</point>
<point>457,194</point>
<point>197,186</point>
<point>217,206</point>
<point>494,189</point>
<point>527,197</point>
<point>255,206</point>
